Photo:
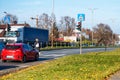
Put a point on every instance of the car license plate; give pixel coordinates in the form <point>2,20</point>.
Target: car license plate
<point>9,56</point>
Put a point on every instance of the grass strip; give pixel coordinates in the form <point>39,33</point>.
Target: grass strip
<point>92,66</point>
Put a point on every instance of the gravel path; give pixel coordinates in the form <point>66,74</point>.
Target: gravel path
<point>116,76</point>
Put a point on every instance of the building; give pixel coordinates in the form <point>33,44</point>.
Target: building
<point>117,42</point>
<point>3,28</point>
<point>119,39</point>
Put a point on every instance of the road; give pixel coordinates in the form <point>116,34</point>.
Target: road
<point>45,55</point>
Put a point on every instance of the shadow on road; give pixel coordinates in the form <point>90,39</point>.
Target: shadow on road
<point>44,59</point>
<point>16,64</point>
<point>7,67</point>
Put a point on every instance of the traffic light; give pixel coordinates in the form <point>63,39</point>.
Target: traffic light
<point>79,26</point>
<point>8,27</point>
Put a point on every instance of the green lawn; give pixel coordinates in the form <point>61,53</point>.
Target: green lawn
<point>93,66</point>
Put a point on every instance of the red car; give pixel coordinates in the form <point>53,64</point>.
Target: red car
<point>1,47</point>
<point>19,52</point>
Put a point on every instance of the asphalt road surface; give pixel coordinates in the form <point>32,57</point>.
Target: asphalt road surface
<point>11,66</point>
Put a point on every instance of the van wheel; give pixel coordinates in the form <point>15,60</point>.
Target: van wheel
<point>4,61</point>
<point>24,59</point>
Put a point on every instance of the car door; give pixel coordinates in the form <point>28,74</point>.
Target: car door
<point>27,52</point>
<point>32,53</point>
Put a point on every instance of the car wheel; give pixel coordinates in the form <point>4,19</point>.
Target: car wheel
<point>36,57</point>
<point>4,61</point>
<point>24,59</point>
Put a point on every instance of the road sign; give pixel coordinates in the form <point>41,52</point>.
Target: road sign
<point>7,19</point>
<point>81,17</point>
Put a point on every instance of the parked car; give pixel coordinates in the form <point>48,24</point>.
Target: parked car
<point>1,47</point>
<point>19,52</point>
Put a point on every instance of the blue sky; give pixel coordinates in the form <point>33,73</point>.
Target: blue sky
<point>106,11</point>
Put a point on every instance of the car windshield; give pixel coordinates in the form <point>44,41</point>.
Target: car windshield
<point>12,47</point>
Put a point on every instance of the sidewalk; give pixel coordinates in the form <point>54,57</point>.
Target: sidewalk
<point>115,76</point>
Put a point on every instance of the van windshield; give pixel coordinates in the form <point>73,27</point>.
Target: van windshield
<point>12,47</point>
<point>12,34</point>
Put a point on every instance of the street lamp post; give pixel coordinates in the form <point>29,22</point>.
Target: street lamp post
<point>36,20</point>
<point>8,19</point>
<point>52,23</point>
<point>7,30</point>
<point>92,11</point>
<point>53,6</point>
<point>113,21</point>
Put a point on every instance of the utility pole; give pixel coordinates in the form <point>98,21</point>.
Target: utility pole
<point>92,12</point>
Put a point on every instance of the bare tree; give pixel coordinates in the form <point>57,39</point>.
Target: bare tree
<point>44,21</point>
<point>49,22</point>
<point>55,31</point>
<point>62,25</point>
<point>103,34</point>
<point>69,24</point>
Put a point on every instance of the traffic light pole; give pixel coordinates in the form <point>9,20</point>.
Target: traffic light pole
<point>81,39</point>
<point>80,17</point>
<point>8,29</point>
<point>6,38</point>
<point>79,27</point>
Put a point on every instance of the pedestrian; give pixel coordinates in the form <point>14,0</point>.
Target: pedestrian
<point>37,45</point>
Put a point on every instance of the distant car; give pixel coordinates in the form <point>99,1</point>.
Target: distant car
<point>19,52</point>
<point>1,47</point>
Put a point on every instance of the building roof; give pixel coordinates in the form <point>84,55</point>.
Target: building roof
<point>2,26</point>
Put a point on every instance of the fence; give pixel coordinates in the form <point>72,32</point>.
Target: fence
<point>70,44</point>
